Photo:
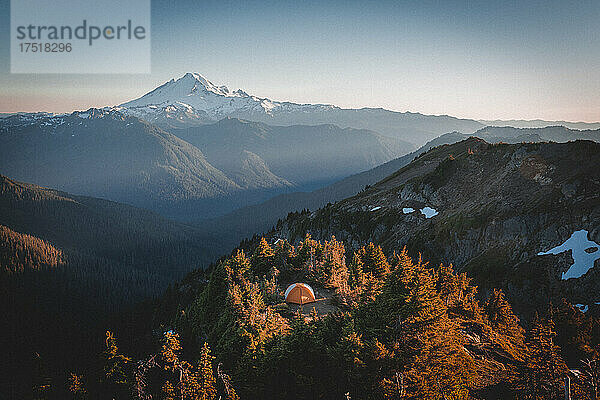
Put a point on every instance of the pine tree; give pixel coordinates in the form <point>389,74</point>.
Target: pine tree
<point>206,379</point>
<point>431,360</point>
<point>170,350</point>
<point>335,264</point>
<point>510,335</point>
<point>309,259</point>
<point>115,368</point>
<point>179,370</point>
<point>238,266</point>
<point>76,386</point>
<point>544,369</point>
<point>355,273</point>
<point>457,292</point>
<point>191,383</point>
<point>374,261</point>
<point>263,258</point>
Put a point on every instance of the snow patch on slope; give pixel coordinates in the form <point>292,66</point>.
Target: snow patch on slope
<point>583,260</point>
<point>429,212</point>
<point>582,307</point>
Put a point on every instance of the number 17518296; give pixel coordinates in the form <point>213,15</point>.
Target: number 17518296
<point>41,47</point>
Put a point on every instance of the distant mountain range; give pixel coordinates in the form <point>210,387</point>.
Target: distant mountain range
<point>207,170</point>
<point>190,149</point>
<point>105,154</point>
<point>559,134</point>
<point>300,154</point>
<point>194,100</point>
<point>539,123</point>
<point>261,217</point>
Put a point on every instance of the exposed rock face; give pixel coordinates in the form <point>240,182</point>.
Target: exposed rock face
<point>498,207</point>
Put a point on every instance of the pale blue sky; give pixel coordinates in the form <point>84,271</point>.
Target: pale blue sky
<point>482,60</point>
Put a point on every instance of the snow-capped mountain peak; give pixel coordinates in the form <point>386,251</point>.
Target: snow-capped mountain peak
<point>190,88</point>
<point>198,82</point>
<point>193,97</point>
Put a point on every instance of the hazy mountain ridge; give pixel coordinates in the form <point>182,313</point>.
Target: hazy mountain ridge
<point>109,155</point>
<point>104,153</point>
<point>300,154</point>
<point>558,134</point>
<point>539,123</point>
<point>251,172</point>
<point>261,217</point>
<point>258,218</point>
<point>193,100</point>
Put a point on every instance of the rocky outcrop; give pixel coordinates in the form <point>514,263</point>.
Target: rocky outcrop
<point>498,206</point>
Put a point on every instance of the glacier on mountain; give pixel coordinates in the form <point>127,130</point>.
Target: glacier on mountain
<point>193,93</point>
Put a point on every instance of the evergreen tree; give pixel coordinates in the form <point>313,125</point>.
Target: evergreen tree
<point>510,335</point>
<point>355,273</point>
<point>170,350</point>
<point>238,266</point>
<point>457,292</point>
<point>437,364</point>
<point>76,386</point>
<point>116,375</point>
<point>374,261</point>
<point>429,360</point>
<point>263,258</point>
<point>544,369</point>
<point>207,389</point>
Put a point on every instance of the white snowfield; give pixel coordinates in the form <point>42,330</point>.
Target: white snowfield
<point>583,261</point>
<point>429,212</point>
<point>195,93</point>
<point>408,210</point>
<point>375,208</point>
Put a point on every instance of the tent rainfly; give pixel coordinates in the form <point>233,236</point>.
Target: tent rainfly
<point>299,293</point>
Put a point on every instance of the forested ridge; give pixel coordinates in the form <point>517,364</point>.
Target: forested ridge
<point>396,328</point>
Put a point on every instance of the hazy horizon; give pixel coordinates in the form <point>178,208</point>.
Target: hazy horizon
<point>485,61</point>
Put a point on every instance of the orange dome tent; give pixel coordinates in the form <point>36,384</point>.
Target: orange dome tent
<point>299,293</point>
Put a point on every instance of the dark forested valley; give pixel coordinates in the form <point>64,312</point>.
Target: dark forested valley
<point>70,262</point>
